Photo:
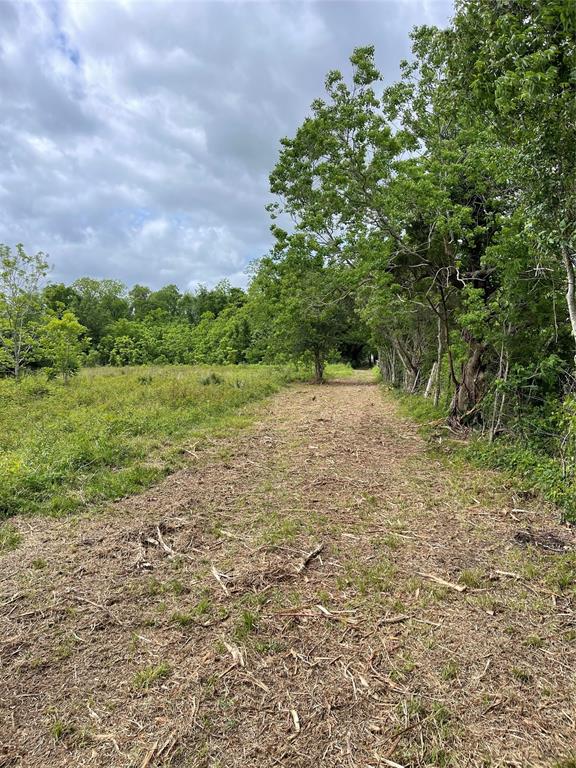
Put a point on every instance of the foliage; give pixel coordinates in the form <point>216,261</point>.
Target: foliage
<point>303,310</point>
<point>62,343</point>
<point>447,202</point>
<point>9,538</point>
<point>20,276</point>
<point>432,221</point>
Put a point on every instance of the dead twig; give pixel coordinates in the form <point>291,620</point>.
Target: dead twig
<point>295,720</point>
<point>309,557</point>
<point>166,547</point>
<point>101,607</point>
<point>149,755</point>
<point>393,619</point>
<point>236,654</point>
<point>443,582</point>
<point>218,577</point>
<point>110,738</point>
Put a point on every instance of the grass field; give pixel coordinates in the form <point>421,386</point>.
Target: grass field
<point>111,432</point>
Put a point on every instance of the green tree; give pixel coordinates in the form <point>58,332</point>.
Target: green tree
<point>63,343</point>
<point>166,299</point>
<point>300,307</point>
<point>125,350</point>
<point>100,303</point>
<point>58,296</point>
<point>20,305</point>
<point>138,297</point>
<point>513,64</point>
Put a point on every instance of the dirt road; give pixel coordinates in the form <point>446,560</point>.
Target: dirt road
<point>320,590</point>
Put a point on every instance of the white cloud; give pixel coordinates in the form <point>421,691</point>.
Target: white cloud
<point>137,137</point>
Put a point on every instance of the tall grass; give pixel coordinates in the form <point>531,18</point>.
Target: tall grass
<point>111,432</point>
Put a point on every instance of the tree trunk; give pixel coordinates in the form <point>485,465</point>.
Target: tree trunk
<point>571,289</point>
<point>392,364</point>
<point>431,379</point>
<point>439,356</point>
<point>411,371</point>
<point>318,368</point>
<point>499,399</point>
<point>468,391</point>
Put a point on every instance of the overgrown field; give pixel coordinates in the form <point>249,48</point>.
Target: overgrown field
<point>111,432</point>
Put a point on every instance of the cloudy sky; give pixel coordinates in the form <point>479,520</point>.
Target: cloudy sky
<point>136,137</point>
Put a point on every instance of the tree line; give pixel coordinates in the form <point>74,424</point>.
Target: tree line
<point>57,328</point>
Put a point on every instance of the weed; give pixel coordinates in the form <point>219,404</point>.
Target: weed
<point>9,537</point>
<point>110,432</point>
<point>567,762</point>
<point>522,675</point>
<point>449,671</point>
<point>175,587</point>
<point>471,578</point>
<point>61,730</point>
<point>534,641</point>
<point>203,607</point>
<point>562,575</point>
<point>391,541</point>
<point>266,647</point>
<point>183,619</point>
<point>150,675</point>
<point>153,587</point>
<point>369,580</point>
<point>39,563</point>
<point>212,378</point>
<point>284,532</point>
<point>247,624</point>
<point>324,598</point>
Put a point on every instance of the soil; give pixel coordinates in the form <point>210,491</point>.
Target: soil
<point>322,589</point>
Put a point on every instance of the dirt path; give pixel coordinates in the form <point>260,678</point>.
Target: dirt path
<point>186,627</point>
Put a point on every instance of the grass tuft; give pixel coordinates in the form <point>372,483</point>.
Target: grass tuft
<point>149,675</point>
<point>10,538</point>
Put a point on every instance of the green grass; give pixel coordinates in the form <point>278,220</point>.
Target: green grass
<point>112,431</point>
<point>527,467</point>
<point>339,371</point>
<point>150,675</point>
<point>9,537</point>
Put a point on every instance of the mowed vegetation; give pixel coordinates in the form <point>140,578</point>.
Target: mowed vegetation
<point>111,432</point>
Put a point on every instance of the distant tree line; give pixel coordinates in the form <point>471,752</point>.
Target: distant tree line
<point>59,328</point>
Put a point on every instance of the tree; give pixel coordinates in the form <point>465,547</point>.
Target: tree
<point>514,65</point>
<point>410,191</point>
<point>63,342</point>
<point>300,308</point>
<point>100,303</point>
<point>166,299</point>
<point>139,297</point>
<point>20,304</point>
<point>58,297</point>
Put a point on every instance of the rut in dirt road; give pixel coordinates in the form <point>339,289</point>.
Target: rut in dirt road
<point>319,590</point>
